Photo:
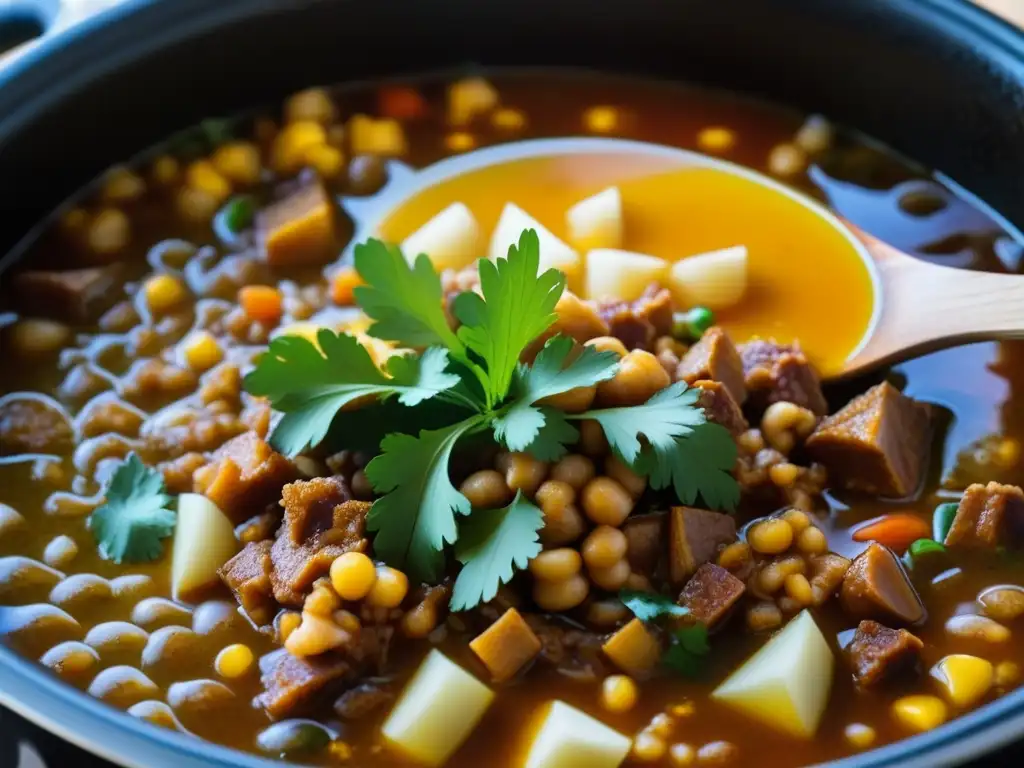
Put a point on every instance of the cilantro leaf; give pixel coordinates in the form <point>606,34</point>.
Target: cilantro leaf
<point>134,518</point>
<point>518,425</point>
<point>492,544</point>
<point>517,306</point>
<point>549,444</point>
<point>648,606</point>
<point>416,517</point>
<point>310,385</point>
<point>688,646</point>
<point>667,415</point>
<point>697,465</point>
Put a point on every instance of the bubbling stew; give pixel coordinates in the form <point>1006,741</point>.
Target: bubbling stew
<point>309,455</point>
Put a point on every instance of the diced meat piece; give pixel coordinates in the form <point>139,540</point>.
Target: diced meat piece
<point>710,594</point>
<point>76,295</point>
<point>638,323</point>
<point>645,542</point>
<point>370,653</point>
<point>363,700</point>
<point>776,373</point>
<point>259,527</point>
<point>574,652</point>
<point>247,574</point>
<point>877,443</point>
<point>826,575</point>
<point>33,423</point>
<point>634,648</point>
<point>299,229</point>
<point>506,646</point>
<point>714,357</point>
<point>878,653</point>
<point>877,587</point>
<point>695,536</point>
<point>178,472</point>
<point>245,475</point>
<point>720,406</point>
<point>290,683</point>
<point>321,523</point>
<point>988,516</point>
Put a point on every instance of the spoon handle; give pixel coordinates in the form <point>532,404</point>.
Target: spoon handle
<point>924,306</point>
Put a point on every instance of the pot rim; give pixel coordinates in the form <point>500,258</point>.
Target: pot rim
<point>40,697</point>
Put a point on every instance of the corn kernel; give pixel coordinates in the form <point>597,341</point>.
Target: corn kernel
<point>508,119</point>
<point>292,144</point>
<point>286,624</point>
<point>601,119</point>
<point>234,661</point>
<point>618,693</point>
<point>312,104</point>
<point>469,98</point>
<point>716,139</point>
<point>811,541</point>
<point>165,170</point>
<point>797,519</point>
<point>326,160</point>
<point>920,713</point>
<point>964,679</point>
<point>459,141</point>
<point>648,748</point>
<point>353,575</point>
<point>859,736</point>
<point>389,589</point>
<point>770,537</point>
<point>203,176</point>
<point>122,185</point>
<point>201,351</point>
<point>798,588</point>
<point>376,137</point>
<point>163,293</point>
<point>238,161</point>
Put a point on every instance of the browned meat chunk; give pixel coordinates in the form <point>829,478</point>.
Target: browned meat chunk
<point>178,472</point>
<point>710,594</point>
<point>720,406</point>
<point>877,443</point>
<point>638,323</point>
<point>247,574</point>
<point>826,576</point>
<point>878,653</point>
<point>645,542</point>
<point>246,475</point>
<point>988,516</point>
<point>780,373</point>
<point>363,700</point>
<point>76,295</point>
<point>299,229</point>
<point>877,587</point>
<point>714,357</point>
<point>695,536</point>
<point>33,423</point>
<point>290,683</point>
<point>321,523</point>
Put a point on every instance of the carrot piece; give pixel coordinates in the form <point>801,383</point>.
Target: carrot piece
<point>633,648</point>
<point>401,103</point>
<point>343,286</point>
<point>261,303</point>
<point>896,531</point>
<point>506,646</point>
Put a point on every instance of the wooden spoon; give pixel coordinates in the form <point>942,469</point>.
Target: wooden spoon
<point>922,306</point>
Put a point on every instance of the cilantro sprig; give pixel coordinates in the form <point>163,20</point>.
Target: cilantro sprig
<point>688,643</point>
<point>135,518</point>
<point>456,384</point>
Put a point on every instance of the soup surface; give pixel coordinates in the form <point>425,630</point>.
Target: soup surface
<point>725,574</point>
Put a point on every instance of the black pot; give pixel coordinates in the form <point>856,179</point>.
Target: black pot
<point>939,80</point>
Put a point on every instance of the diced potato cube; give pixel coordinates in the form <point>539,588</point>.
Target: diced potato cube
<point>568,738</point>
<point>451,239</point>
<point>469,98</point>
<point>787,683</point>
<point>438,709</point>
<point>623,275</point>
<point>964,679</point>
<point>554,253</point>
<point>204,540</point>
<point>506,646</point>
<point>715,280</point>
<point>596,222</point>
<point>384,137</point>
<point>633,648</point>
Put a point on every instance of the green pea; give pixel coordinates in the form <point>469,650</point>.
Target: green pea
<point>238,213</point>
<point>293,737</point>
<point>691,325</point>
<point>942,520</point>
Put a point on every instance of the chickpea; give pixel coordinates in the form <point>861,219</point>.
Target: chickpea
<point>592,440</point>
<point>774,574</point>
<point>606,502</point>
<point>238,161</point>
<point>648,748</point>
<point>627,478</point>
<point>607,344</point>
<point>576,400</point>
<point>322,601</point>
<point>734,556</point>
<point>787,160</point>
<point>619,693</point>
<point>525,473</point>
<point>784,475</point>
<point>560,595</point>
<point>420,621</point>
<point>640,376</point>
<point>682,755</point>
<point>312,104</point>
<point>486,489</point>
<point>1003,603</point>
<point>575,470</point>
<point>784,423</point>
<point>389,589</point>
<point>811,541</point>
<point>554,496</point>
<point>33,336</point>
<point>562,527</point>
<point>797,519</point>
<point>859,736</point>
<point>606,614</point>
<point>122,185</point>
<point>353,575</point>
<point>798,588</point>
<point>770,537</point>
<point>763,616</point>
<point>751,441</point>
<point>556,564</point>
<point>639,583</point>
<point>604,547</point>
<point>109,231</point>
<point>613,578</point>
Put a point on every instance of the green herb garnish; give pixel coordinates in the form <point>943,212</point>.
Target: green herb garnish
<point>942,520</point>
<point>922,547</point>
<point>651,606</point>
<point>135,518</point>
<point>456,384</point>
<point>238,213</point>
<point>687,643</point>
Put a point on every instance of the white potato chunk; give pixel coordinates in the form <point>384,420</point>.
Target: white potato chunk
<point>597,221</point>
<point>204,540</point>
<point>787,683</point>
<point>715,280</point>
<point>437,711</point>
<point>615,274</point>
<point>554,254</point>
<point>568,738</point>
<point>451,239</point>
